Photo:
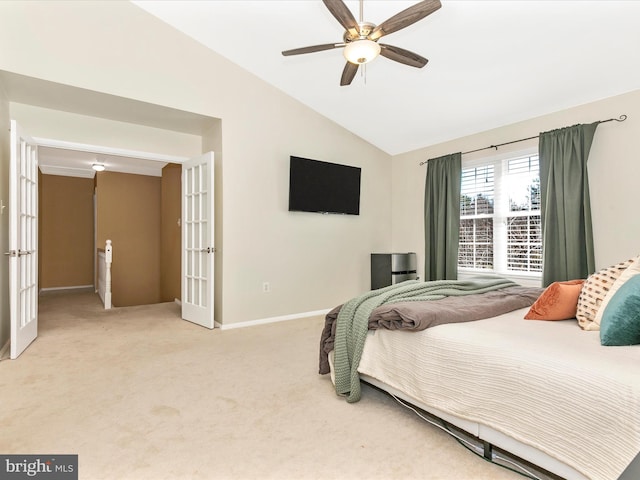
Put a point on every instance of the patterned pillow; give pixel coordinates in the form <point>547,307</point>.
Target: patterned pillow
<point>594,290</point>
<point>629,272</point>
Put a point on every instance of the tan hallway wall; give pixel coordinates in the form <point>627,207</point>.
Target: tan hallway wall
<point>128,213</point>
<point>66,231</point>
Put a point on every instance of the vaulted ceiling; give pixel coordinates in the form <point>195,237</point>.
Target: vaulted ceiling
<point>491,63</point>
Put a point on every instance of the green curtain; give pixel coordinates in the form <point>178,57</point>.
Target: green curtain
<point>566,209</point>
<point>442,217</point>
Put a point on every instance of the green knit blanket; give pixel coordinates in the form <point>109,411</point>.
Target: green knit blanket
<point>352,323</point>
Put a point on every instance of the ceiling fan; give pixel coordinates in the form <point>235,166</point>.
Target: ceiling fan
<point>360,39</point>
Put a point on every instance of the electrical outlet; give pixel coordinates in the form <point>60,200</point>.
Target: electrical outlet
<point>266,287</point>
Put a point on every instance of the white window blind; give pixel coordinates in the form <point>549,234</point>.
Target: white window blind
<point>524,228</point>
<point>476,218</point>
<point>500,229</point>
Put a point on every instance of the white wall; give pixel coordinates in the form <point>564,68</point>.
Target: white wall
<point>614,173</point>
<point>312,261</point>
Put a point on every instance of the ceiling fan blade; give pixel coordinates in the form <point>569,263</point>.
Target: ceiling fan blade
<point>313,48</point>
<point>342,13</point>
<point>350,70</point>
<point>405,18</point>
<point>403,56</point>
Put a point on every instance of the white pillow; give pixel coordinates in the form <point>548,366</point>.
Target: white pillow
<point>631,271</point>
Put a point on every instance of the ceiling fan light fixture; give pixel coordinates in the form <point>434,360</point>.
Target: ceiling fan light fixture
<point>98,167</point>
<point>361,51</point>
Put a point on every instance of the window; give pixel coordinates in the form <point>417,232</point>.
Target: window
<point>500,226</point>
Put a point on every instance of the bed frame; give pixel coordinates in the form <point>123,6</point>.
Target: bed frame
<point>489,438</point>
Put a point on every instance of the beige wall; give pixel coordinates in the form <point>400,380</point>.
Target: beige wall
<point>128,214</point>
<point>87,130</point>
<point>613,166</point>
<point>66,231</point>
<point>4,217</point>
<point>171,238</point>
<point>311,261</point>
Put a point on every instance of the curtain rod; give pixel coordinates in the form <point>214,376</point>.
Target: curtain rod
<point>622,118</point>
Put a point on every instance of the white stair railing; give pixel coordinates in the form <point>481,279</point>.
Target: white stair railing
<point>105,258</point>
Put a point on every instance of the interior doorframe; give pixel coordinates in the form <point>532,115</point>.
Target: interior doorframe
<point>41,93</point>
<point>108,151</point>
<point>111,151</point>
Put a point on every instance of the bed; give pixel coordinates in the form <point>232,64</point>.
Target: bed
<point>546,391</point>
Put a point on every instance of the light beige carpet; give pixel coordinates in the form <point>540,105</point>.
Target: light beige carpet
<point>138,393</point>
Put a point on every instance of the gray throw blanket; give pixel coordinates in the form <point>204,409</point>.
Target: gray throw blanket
<point>352,322</point>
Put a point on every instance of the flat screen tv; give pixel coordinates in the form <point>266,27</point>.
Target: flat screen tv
<point>323,187</point>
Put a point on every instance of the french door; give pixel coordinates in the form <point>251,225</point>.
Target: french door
<point>197,240</point>
<point>23,240</point>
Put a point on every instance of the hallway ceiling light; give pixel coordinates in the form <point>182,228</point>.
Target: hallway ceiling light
<point>98,167</point>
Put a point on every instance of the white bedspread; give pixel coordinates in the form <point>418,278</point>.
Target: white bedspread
<point>549,385</point>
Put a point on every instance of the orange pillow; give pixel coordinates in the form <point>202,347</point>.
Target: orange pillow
<point>558,302</point>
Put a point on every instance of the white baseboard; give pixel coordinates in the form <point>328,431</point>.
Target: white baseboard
<point>263,321</point>
<point>77,287</point>
<point>178,301</point>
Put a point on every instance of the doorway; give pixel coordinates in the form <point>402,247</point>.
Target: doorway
<point>83,117</point>
<point>140,213</point>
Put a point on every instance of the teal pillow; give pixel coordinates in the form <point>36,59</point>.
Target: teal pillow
<point>620,323</point>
